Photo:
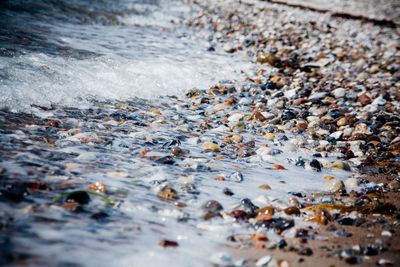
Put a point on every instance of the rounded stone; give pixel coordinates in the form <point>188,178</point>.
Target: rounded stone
<point>333,185</point>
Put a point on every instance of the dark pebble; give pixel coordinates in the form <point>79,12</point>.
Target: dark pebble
<point>359,221</point>
<point>227,192</point>
<point>278,224</point>
<point>166,160</point>
<point>292,211</point>
<point>315,165</point>
<point>168,243</point>
<point>282,243</point>
<point>345,221</point>
<point>305,251</point>
<point>99,216</point>
<point>371,250</point>
<point>211,206</point>
<point>353,260</point>
<point>342,233</point>
<point>296,194</point>
<point>52,124</point>
<point>80,197</point>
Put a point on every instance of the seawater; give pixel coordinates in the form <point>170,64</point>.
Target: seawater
<point>68,52</point>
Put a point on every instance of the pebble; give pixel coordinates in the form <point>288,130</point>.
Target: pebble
<point>340,165</point>
<point>221,259</point>
<point>80,197</point>
<point>333,185</point>
<point>235,117</point>
<point>168,243</point>
<point>339,92</point>
<point>289,147</point>
<point>167,193</point>
<point>351,183</point>
<point>386,233</point>
<point>265,187</point>
<point>264,261</point>
<point>211,146</point>
<point>212,206</point>
<point>237,177</point>
<point>394,185</point>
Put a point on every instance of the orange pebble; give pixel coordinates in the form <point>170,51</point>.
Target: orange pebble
<point>98,187</point>
<point>264,217</point>
<point>279,167</point>
<point>259,237</point>
<point>144,152</point>
<point>259,245</point>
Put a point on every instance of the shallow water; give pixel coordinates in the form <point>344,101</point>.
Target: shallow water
<point>100,69</point>
<point>106,50</point>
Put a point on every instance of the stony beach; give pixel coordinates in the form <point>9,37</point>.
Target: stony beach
<point>295,162</point>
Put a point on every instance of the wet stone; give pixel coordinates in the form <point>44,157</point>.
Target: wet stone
<point>167,193</point>
<point>80,197</point>
<point>169,160</point>
<point>177,152</point>
<point>212,206</point>
<point>278,224</point>
<point>316,165</point>
<point>227,192</point>
<point>292,211</point>
<point>99,216</point>
<point>236,177</point>
<point>168,243</point>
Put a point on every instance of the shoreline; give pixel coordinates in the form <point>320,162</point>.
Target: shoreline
<point>229,166</point>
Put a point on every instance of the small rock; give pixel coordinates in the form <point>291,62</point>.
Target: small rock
<point>177,151</point>
<point>263,261</point>
<point>333,185</point>
<point>212,205</point>
<point>351,183</point>
<point>167,193</point>
<point>342,233</point>
<point>211,146</point>
<point>168,243</point>
<point>227,192</point>
<point>237,177</point>
<point>289,147</point>
<point>341,122</point>
<point>292,211</point>
<point>235,117</point>
<point>315,165</point>
<point>384,262</point>
<point>269,136</point>
<point>98,187</point>
<point>265,187</point>
<point>386,233</point>
<point>340,165</point>
<point>80,197</point>
<point>221,259</point>
<point>393,185</point>
<point>305,251</point>
<point>345,221</point>
<point>339,92</point>
<point>166,160</point>
<point>237,138</point>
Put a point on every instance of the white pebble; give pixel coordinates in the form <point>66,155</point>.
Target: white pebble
<point>386,233</point>
<point>264,261</point>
